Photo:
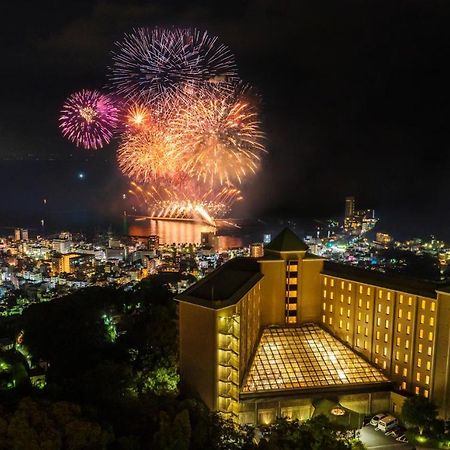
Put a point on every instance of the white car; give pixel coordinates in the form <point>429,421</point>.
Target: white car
<point>375,419</point>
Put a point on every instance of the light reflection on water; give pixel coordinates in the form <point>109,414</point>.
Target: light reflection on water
<point>169,232</point>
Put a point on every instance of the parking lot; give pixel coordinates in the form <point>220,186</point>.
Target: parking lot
<point>377,440</point>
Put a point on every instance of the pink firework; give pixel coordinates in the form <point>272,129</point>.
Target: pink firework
<point>89,118</point>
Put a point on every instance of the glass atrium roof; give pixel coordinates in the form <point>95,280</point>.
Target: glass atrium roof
<point>306,357</point>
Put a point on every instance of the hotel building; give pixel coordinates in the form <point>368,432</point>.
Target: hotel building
<point>272,335</point>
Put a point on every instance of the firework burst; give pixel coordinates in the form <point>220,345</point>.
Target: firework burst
<point>220,135</point>
<point>88,119</point>
<point>148,155</point>
<point>152,63</point>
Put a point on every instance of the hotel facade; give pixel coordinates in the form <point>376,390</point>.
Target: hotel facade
<point>271,336</point>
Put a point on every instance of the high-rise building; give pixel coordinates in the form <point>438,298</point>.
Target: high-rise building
<point>269,336</point>
<point>21,234</point>
<point>349,210</point>
<point>153,242</point>
<point>257,250</point>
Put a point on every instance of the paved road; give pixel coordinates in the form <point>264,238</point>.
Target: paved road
<point>377,440</point>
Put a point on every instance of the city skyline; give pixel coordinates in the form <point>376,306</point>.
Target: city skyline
<point>355,116</point>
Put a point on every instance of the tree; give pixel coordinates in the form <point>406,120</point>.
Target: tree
<point>419,412</point>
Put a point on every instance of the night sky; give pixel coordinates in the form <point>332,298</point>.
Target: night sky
<point>356,100</point>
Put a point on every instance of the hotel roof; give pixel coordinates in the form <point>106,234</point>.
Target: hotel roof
<point>225,286</point>
<point>393,281</point>
<point>286,241</point>
<point>305,359</point>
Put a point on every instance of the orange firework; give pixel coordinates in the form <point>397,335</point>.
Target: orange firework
<point>138,117</point>
<point>148,155</point>
<point>220,135</point>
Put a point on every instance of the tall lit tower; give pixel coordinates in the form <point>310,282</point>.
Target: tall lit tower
<point>349,211</point>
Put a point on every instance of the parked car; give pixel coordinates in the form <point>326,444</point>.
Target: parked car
<point>387,423</point>
<point>375,419</point>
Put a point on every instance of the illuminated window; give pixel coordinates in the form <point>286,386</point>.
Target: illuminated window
<point>380,293</point>
<point>367,318</point>
<point>365,345</point>
<point>397,355</point>
<point>422,319</point>
<point>388,295</point>
<point>407,343</point>
<point>341,310</point>
<point>431,321</point>
<point>386,337</point>
<point>357,342</point>
<point>420,348</point>
<point>331,295</point>
<point>359,316</point>
<point>398,342</point>
<point>331,308</point>
<point>347,327</point>
<point>433,306</point>
<point>400,313</point>
<point>399,327</point>
<point>378,334</point>
<point>425,393</point>
<point>384,364</point>
<point>368,291</point>
<point>417,390</point>
<point>423,304</point>
<point>403,386</point>
<point>376,360</point>
<point>421,333</point>
<point>332,283</point>
<point>419,362</point>
<point>366,332</point>
<point>408,329</point>
<point>427,379</point>
<point>386,323</point>
<point>358,329</point>
<point>360,303</point>
<point>340,324</point>
<point>405,372</point>
<point>324,306</point>
<point>430,336</point>
<point>379,307</point>
<point>430,350</point>
<point>348,314</point>
<point>409,301</point>
<point>342,285</point>
<point>388,310</point>
<point>324,319</point>
<point>349,300</point>
<point>428,365</point>
<point>409,315</point>
<point>405,359</point>
<point>377,348</point>
<point>396,368</point>
<point>378,321</point>
<point>330,321</point>
<point>384,351</point>
<point>324,293</point>
<point>342,298</point>
<point>360,289</point>
<point>401,299</point>
<point>349,286</point>
<point>325,281</point>
<point>368,304</point>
